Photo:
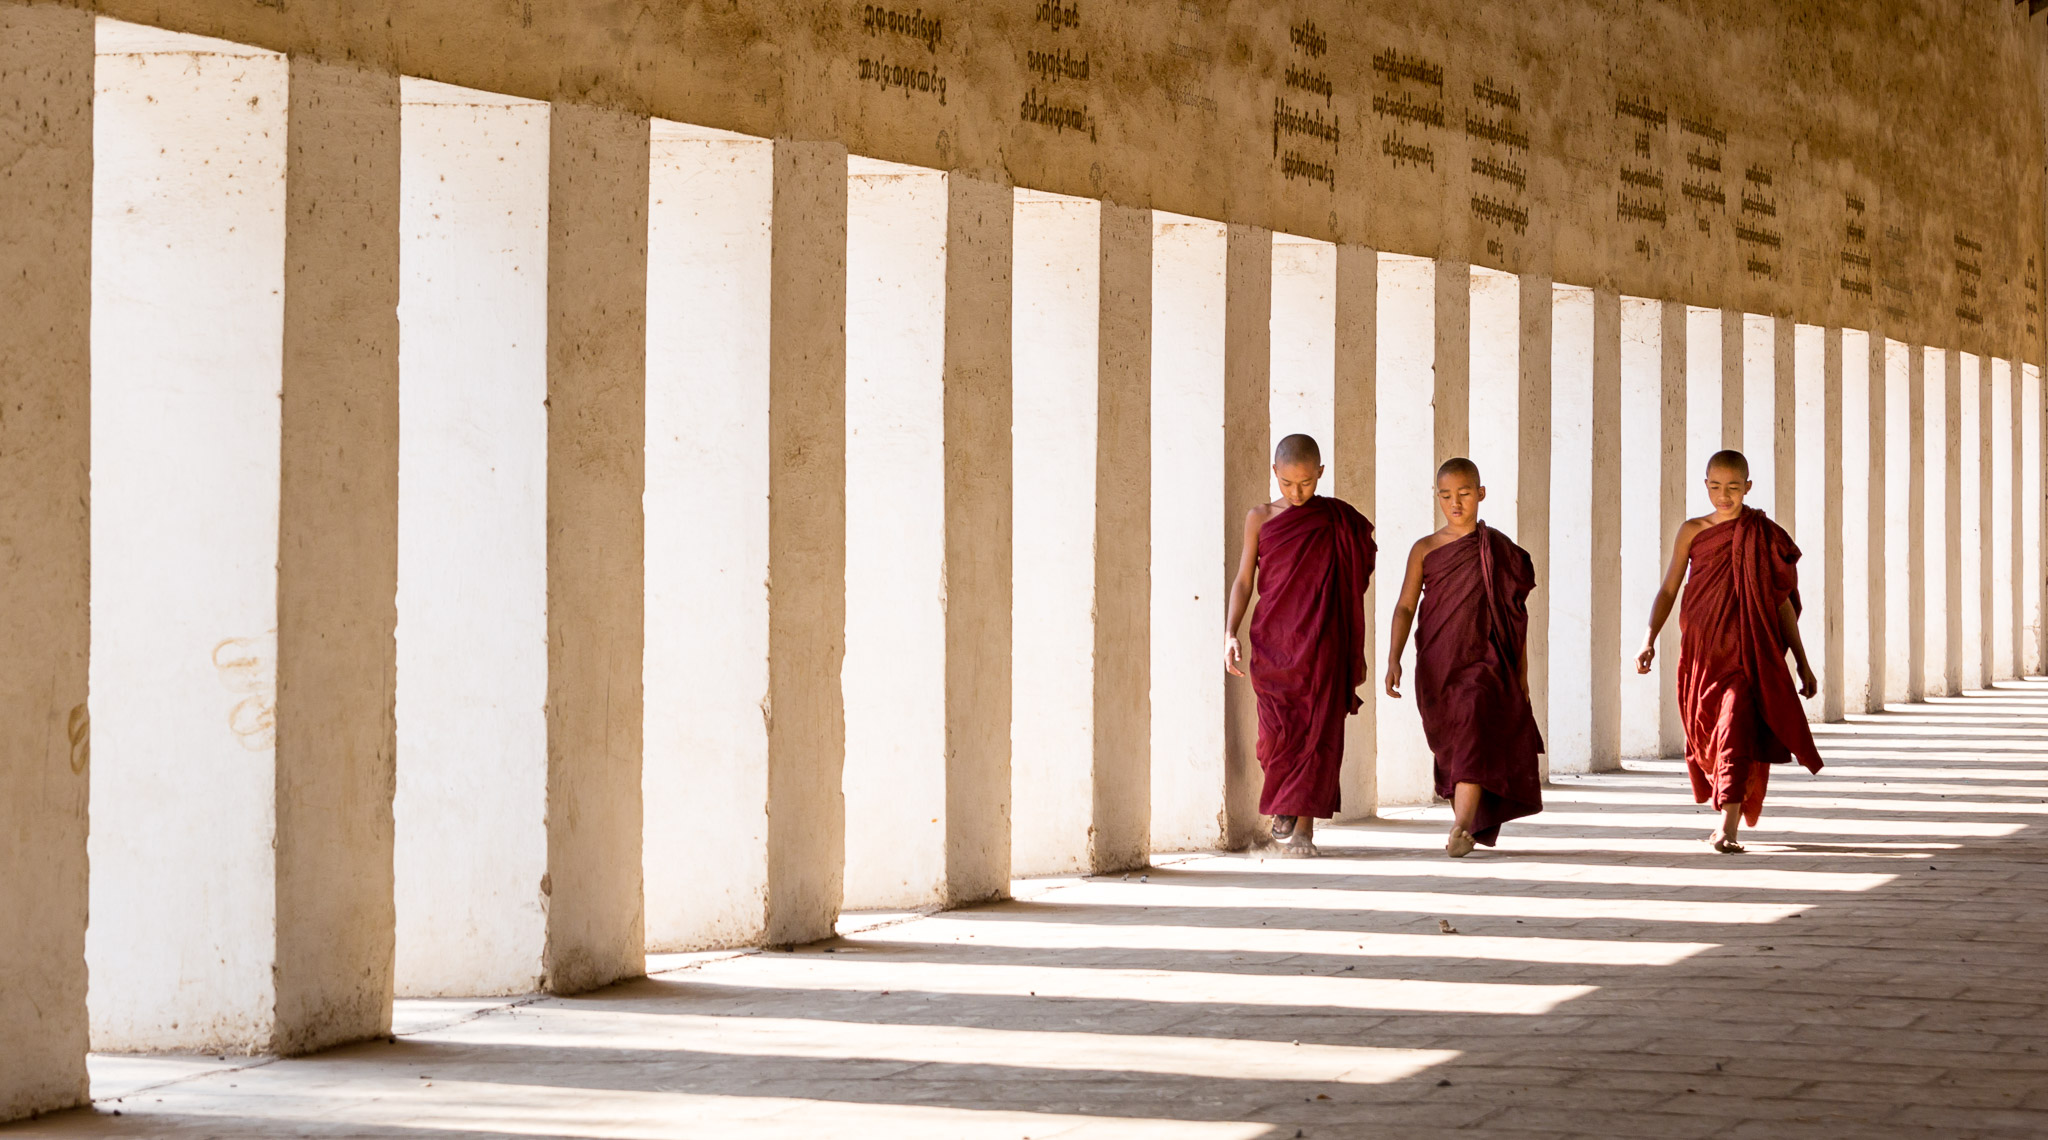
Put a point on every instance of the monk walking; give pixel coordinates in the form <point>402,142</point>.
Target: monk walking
<point>1312,557</point>
<point>1741,614</point>
<point>1472,585</point>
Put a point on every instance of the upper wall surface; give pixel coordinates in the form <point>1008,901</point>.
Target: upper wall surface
<point>1872,164</point>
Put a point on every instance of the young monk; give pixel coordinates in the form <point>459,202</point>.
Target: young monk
<point>1741,613</point>
<point>1311,557</point>
<point>1472,584</point>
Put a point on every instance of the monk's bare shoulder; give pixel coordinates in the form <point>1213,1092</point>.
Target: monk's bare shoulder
<point>1430,541</point>
<point>1256,519</point>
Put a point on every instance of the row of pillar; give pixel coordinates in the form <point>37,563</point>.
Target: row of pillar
<point>776,538</point>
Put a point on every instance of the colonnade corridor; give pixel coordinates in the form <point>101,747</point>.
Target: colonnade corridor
<point>1871,968</point>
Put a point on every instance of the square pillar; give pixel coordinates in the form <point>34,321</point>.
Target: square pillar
<point>1808,446</point>
<point>1923,544</point>
<point>1780,427</point>
<point>1605,554</point>
<point>1404,506</point>
<point>1247,482</point>
<point>2034,511</point>
<point>1983,648</point>
<point>1899,413</point>
<point>46,215</point>
<point>1122,786</point>
<point>1535,457</point>
<point>337,568</point>
<point>597,423</point>
<point>1944,531</point>
<point>1645,544</point>
<point>1752,420</point>
<point>1822,459</point>
<point>1742,350</point>
<point>1971,591</point>
<point>1492,421</point>
<point>1674,479</point>
<point>1354,438</point>
<point>806,711</point>
<point>1862,532</point>
<point>977,572</point>
<point>2003,476</point>
<point>710,260</point>
<point>1585,644</point>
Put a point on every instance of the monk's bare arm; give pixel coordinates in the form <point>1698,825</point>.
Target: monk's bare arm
<point>1404,616</point>
<point>1241,592</point>
<point>1788,626</point>
<point>1667,594</point>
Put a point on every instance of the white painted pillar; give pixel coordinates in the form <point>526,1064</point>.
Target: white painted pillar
<point>1188,259</point>
<point>1902,521</point>
<point>1355,436</point>
<point>2004,504</point>
<point>927,676</point>
<point>1644,543</point>
<point>704,782</point>
<point>807,551</point>
<point>1121,837</point>
<point>245,385</point>
<point>1970,593</point>
<point>1406,449</point>
<point>46,216</point>
<point>1304,343</point>
<point>1861,478</point>
<point>1247,482</point>
<point>1673,480</point>
<point>1055,352</point>
<point>2034,635</point>
<point>1812,482</point>
<point>1535,456</point>
<point>1493,410</point>
<point>1585,531</point>
<point>1944,523</point>
<point>1756,425</point>
<point>1706,394</point>
<point>596,572</point>
<point>469,814</point>
<point>1983,647</point>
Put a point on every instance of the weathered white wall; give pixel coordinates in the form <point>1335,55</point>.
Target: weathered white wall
<point>1055,349</point>
<point>1854,460</point>
<point>705,783</point>
<point>895,533</point>
<point>188,264</point>
<point>1644,545</point>
<point>1571,738</point>
<point>1304,327</point>
<point>1819,588</point>
<point>471,801</point>
<point>1493,430</point>
<point>2031,647</point>
<point>1187,547</point>
<point>1406,462</point>
<point>1969,466</point>
<point>1902,551</point>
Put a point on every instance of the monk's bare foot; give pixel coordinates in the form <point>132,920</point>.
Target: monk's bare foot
<point>1283,826</point>
<point>1299,847</point>
<point>1460,843</point>
<point>1720,841</point>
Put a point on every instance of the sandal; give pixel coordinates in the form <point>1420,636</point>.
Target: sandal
<point>1726,846</point>
<point>1283,826</point>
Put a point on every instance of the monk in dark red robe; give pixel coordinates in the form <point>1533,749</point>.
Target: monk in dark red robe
<point>1739,617</point>
<point>1466,593</point>
<point>1312,557</point>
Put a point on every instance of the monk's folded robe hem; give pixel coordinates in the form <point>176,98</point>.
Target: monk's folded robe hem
<point>1470,633</point>
<point>1741,710</point>
<point>1308,650</point>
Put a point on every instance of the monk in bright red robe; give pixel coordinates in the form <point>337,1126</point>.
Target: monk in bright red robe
<point>1466,594</point>
<point>1739,617</point>
<point>1310,557</point>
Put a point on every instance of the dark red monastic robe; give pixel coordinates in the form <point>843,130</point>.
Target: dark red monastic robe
<point>1308,650</point>
<point>1741,709</point>
<point>1470,634</point>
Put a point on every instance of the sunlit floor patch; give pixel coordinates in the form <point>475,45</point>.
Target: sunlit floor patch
<point>848,973</point>
<point>1506,867</point>
<point>1361,897</point>
<point>1052,1050</point>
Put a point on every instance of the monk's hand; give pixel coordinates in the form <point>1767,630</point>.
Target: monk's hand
<point>1808,684</point>
<point>1231,656</point>
<point>1644,658</point>
<point>1394,679</point>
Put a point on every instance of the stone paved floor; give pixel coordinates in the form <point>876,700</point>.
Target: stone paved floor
<point>1877,966</point>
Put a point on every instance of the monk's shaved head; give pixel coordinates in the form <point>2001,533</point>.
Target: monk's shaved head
<point>1298,449</point>
<point>1459,466</point>
<point>1729,460</point>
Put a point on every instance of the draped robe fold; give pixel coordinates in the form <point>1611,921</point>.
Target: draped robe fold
<point>1735,694</point>
<point>1308,650</point>
<point>1470,633</point>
